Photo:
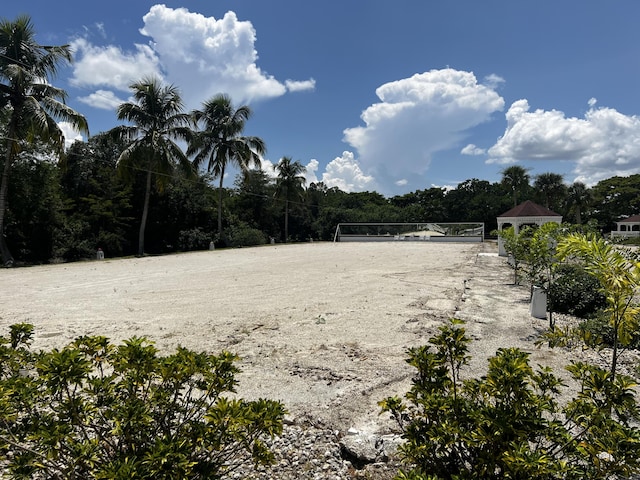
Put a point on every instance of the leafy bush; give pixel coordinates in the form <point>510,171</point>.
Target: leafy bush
<point>193,239</point>
<point>596,331</point>
<point>508,424</point>
<point>94,410</point>
<point>244,236</point>
<point>575,292</point>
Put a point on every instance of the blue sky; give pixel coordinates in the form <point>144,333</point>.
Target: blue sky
<point>378,95</point>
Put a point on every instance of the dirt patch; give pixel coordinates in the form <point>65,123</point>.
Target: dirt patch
<point>323,327</point>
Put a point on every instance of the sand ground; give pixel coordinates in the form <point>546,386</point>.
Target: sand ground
<point>323,327</point>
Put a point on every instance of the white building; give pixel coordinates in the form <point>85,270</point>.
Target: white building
<point>527,213</point>
<point>627,228</point>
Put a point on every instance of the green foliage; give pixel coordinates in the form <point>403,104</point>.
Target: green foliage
<point>508,423</point>
<point>154,123</point>
<point>241,235</point>
<point>101,411</point>
<point>517,246</point>
<point>476,200</point>
<point>290,184</point>
<point>97,201</point>
<point>32,104</point>
<point>253,202</point>
<point>630,241</point>
<point>615,198</point>
<point>193,239</point>
<point>596,331</point>
<point>35,214</point>
<point>540,253</point>
<point>550,190</point>
<point>220,142</point>
<point>618,272</point>
<point>515,180</point>
<point>575,292</point>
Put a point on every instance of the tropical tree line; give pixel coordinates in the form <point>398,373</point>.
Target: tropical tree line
<point>155,183</point>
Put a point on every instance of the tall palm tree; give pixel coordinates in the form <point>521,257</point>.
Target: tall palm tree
<point>289,185</point>
<point>220,141</point>
<point>515,179</point>
<point>34,104</point>
<point>578,197</point>
<point>156,120</point>
<point>551,187</point>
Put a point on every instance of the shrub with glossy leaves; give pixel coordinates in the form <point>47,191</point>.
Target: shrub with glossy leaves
<point>244,236</point>
<point>508,423</point>
<point>576,292</point>
<point>94,410</point>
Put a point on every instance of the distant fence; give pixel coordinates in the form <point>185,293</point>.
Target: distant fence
<point>410,232</point>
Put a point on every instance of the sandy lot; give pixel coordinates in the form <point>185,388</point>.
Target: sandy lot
<point>323,327</point>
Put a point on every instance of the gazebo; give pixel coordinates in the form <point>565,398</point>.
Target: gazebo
<point>629,227</point>
<point>527,213</point>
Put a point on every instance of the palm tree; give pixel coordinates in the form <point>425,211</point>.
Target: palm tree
<point>33,103</point>
<point>551,188</point>
<point>156,119</point>
<point>289,185</point>
<point>220,142</point>
<point>578,197</point>
<point>515,179</point>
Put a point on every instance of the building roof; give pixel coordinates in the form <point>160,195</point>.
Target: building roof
<point>529,209</point>
<point>631,219</point>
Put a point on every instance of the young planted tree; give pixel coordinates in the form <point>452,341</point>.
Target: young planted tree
<point>517,246</point>
<point>540,258</point>
<point>289,186</point>
<point>619,277</point>
<point>95,410</point>
<point>34,104</point>
<point>220,142</point>
<point>156,120</point>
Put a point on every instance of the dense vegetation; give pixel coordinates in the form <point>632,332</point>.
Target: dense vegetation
<point>148,186</point>
<point>65,206</point>
<point>509,422</point>
<point>95,410</point>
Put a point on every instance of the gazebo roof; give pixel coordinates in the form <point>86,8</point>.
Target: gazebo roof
<point>631,219</point>
<point>530,209</point>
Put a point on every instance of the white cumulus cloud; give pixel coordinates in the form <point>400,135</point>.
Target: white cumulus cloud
<point>103,99</point>
<point>417,117</point>
<point>201,55</point>
<point>310,173</point>
<point>345,173</point>
<point>110,66</point>
<point>493,80</point>
<point>209,55</point>
<point>70,134</point>
<point>300,85</point>
<point>602,144</point>
<point>472,149</point>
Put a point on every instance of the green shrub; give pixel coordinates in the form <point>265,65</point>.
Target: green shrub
<point>193,239</point>
<point>94,410</point>
<point>575,292</point>
<point>597,331</point>
<point>245,236</point>
<point>508,423</point>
